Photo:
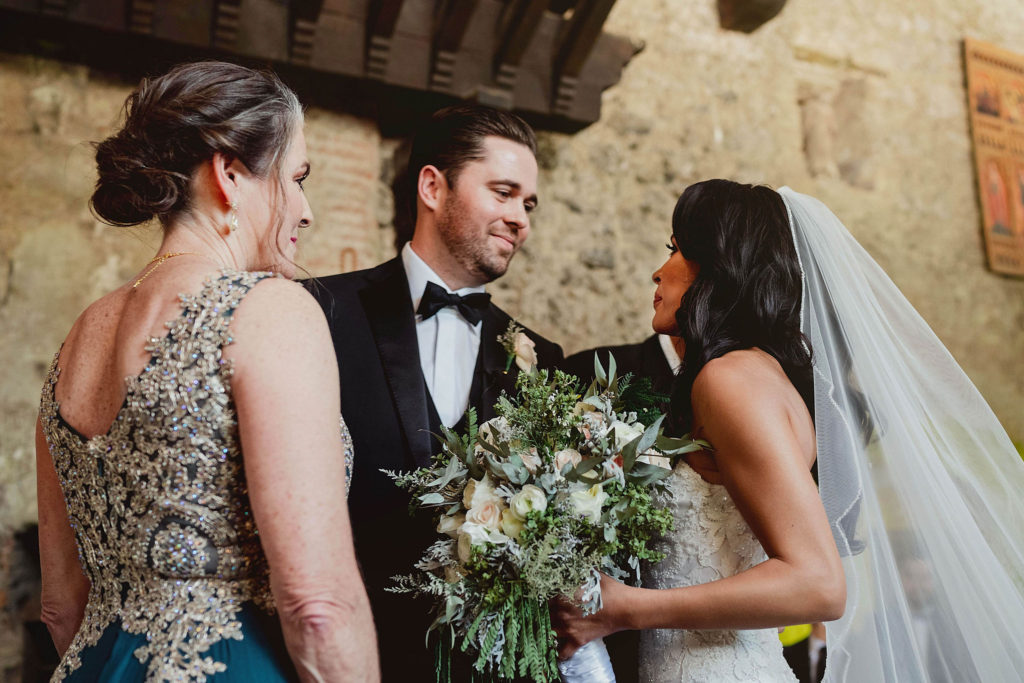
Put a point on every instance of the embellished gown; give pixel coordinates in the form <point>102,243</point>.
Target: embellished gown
<point>710,541</point>
<point>160,509</point>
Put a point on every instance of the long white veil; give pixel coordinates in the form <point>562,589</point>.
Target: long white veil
<point>922,485</point>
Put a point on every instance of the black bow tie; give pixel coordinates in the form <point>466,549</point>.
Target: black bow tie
<point>471,306</point>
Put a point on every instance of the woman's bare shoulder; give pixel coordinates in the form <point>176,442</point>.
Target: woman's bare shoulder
<point>277,311</point>
<point>743,373</point>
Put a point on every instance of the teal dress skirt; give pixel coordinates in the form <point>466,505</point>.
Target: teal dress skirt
<point>260,657</point>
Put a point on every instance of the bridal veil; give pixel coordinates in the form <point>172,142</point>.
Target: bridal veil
<point>921,484</point>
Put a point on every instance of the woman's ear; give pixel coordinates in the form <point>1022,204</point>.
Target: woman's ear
<point>226,175</point>
<point>431,187</point>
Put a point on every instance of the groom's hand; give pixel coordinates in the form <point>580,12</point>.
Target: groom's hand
<point>575,630</point>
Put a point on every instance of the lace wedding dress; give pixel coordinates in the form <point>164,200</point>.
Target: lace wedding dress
<point>710,541</point>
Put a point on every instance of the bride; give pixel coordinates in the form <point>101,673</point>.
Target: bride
<point>799,347</point>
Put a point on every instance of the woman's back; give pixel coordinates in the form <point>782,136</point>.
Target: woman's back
<point>155,487</point>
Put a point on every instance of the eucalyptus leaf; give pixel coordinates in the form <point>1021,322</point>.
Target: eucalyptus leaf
<point>488,446</point>
<point>673,446</point>
<point>599,373</point>
<point>453,471</point>
<point>649,436</point>
<point>586,465</point>
<point>646,474</point>
<point>432,499</point>
<point>629,452</point>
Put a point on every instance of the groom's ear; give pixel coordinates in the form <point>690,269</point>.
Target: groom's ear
<point>431,186</point>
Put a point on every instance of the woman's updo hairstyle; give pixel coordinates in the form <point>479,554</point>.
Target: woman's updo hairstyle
<point>179,120</point>
<point>748,290</point>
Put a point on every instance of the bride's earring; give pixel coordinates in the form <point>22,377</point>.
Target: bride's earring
<point>233,216</point>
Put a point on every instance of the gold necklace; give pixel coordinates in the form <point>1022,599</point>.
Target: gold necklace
<point>157,262</point>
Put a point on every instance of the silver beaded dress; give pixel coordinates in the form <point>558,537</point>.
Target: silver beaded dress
<point>160,510</point>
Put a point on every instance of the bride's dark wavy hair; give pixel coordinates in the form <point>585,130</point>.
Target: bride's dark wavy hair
<point>748,289</point>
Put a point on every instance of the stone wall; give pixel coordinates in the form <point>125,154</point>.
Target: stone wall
<point>861,104</point>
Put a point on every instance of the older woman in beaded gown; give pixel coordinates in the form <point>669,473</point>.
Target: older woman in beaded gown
<point>180,507</point>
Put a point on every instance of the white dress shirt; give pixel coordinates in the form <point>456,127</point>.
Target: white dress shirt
<point>448,343</point>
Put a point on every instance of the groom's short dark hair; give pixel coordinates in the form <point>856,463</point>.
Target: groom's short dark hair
<point>451,138</point>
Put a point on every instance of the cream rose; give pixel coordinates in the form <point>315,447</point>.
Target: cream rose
<point>565,457</point>
<point>526,353</point>
<point>450,524</point>
<point>531,460</point>
<point>486,514</point>
<point>526,501</point>
<point>479,492</point>
<point>510,524</point>
<point>587,504</point>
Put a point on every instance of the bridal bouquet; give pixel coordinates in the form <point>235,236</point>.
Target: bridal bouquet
<point>534,504</point>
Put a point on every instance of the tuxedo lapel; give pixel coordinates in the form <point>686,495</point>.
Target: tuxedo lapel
<point>389,311</point>
<point>493,359</point>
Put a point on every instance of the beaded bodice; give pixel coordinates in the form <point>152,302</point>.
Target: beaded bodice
<point>710,541</point>
<point>159,503</point>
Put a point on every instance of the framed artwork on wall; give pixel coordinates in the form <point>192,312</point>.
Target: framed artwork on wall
<point>995,91</point>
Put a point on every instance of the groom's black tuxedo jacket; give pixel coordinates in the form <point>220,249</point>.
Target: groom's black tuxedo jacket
<point>386,404</point>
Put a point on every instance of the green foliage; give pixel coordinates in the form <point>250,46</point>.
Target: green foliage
<point>638,396</point>
<point>542,413</point>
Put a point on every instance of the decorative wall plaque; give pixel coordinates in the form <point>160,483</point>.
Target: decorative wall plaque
<point>995,87</point>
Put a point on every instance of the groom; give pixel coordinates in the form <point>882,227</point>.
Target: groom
<point>417,344</point>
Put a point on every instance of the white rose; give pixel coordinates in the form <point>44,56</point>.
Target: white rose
<point>565,457</point>
<point>526,501</point>
<point>624,433</point>
<point>587,504</point>
<point>510,524</point>
<point>531,460</point>
<point>478,492</point>
<point>473,534</point>
<point>487,514</point>
<point>450,524</point>
<point>526,353</point>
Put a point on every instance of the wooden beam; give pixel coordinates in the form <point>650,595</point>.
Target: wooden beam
<point>339,37</point>
<point>525,16</point>
<point>140,16</point>
<point>226,15</point>
<point>383,19</point>
<point>303,16</point>
<point>455,17</point>
<point>747,15</point>
<point>583,30</point>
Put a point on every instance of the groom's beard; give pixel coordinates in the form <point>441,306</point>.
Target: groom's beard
<point>471,246</point>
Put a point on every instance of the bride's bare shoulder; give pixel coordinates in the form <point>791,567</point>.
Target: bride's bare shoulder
<point>743,373</point>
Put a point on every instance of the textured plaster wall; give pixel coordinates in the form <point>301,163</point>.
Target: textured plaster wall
<point>861,104</point>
